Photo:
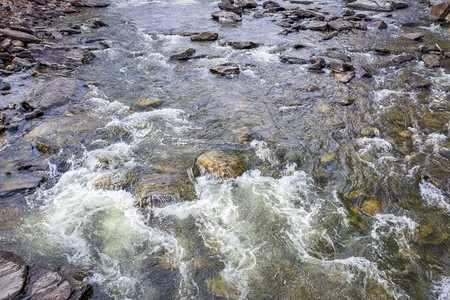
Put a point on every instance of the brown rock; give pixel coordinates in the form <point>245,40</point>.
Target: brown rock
<point>204,36</point>
<point>13,274</point>
<point>432,60</point>
<point>220,164</point>
<point>225,69</point>
<point>184,55</point>
<point>439,11</point>
<point>20,35</point>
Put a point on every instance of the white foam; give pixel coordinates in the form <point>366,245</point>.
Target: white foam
<point>434,197</point>
<point>443,288</point>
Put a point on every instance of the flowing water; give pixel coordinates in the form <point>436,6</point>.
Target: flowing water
<point>286,228</point>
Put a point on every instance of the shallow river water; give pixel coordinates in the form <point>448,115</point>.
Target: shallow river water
<point>287,228</point>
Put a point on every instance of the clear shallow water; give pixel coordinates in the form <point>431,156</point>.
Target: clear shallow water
<point>285,228</point>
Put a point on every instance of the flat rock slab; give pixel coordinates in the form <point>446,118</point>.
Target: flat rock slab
<point>244,45</point>
<point>204,36</point>
<point>225,69</point>
<point>50,93</point>
<point>20,35</point>
<point>19,280</point>
<point>439,11</point>
<point>57,56</point>
<point>14,183</point>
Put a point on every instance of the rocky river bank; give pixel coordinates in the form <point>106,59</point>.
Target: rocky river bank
<point>56,123</point>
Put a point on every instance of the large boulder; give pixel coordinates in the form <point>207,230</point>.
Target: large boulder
<point>377,5</point>
<point>51,93</point>
<point>221,165</point>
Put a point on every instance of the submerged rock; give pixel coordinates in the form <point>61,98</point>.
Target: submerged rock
<point>371,207</point>
<point>149,103</point>
<point>117,180</point>
<point>59,56</point>
<point>221,165</point>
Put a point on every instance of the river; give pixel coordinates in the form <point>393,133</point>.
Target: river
<point>292,226</point>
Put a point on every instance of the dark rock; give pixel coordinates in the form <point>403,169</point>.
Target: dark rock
<point>20,35</point>
<point>424,84</point>
<point>46,145</point>
<point>184,55</point>
<point>362,71</point>
<point>432,60</point>
<point>5,56</point>
<point>34,114</point>
<point>318,25</point>
<point>230,7</point>
<point>96,23</point>
<point>50,93</point>
<point>225,69</point>
<point>316,64</point>
<point>439,11</point>
<point>415,36</point>
<point>204,36</point>
<point>293,60</point>
<point>247,4</point>
<point>380,24</point>
<point>59,56</point>
<point>340,25</point>
<point>226,17</point>
<point>330,36</point>
<point>4,86</point>
<point>382,51</point>
<point>284,24</point>
<point>21,28</point>
<point>244,45</point>
<point>339,65</point>
<point>339,56</point>
<point>403,58</point>
<point>431,49</point>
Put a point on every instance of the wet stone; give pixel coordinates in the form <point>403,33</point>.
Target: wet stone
<point>424,84</point>
<point>403,58</point>
<point>377,5</point>
<point>244,45</point>
<point>347,77</point>
<point>204,36</point>
<point>183,55</point>
<point>432,60</point>
<point>221,165</point>
<point>225,69</point>
<point>34,114</point>
<point>415,36</point>
<point>230,7</point>
<point>339,65</point>
<point>340,25</point>
<point>51,93</point>
<point>226,17</point>
<point>20,35</point>
<point>59,56</point>
<point>380,24</point>
<point>316,64</point>
<point>92,3</point>
<point>318,25</point>
<point>439,11</point>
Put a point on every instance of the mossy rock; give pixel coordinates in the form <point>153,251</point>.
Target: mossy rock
<point>221,165</point>
<point>163,185</point>
<point>221,289</point>
<point>326,158</point>
<point>118,180</point>
<point>370,132</point>
<point>148,103</point>
<point>371,207</point>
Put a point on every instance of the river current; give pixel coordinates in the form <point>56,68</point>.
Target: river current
<point>285,229</point>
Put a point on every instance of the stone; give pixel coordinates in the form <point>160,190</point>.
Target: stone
<point>439,11</point>
<point>347,77</point>
<point>50,93</point>
<point>163,186</point>
<point>403,58</point>
<point>22,62</point>
<point>382,51</point>
<point>423,84</point>
<point>34,114</point>
<point>204,36</point>
<point>326,158</point>
<point>330,36</point>
<point>432,60</point>
<point>337,55</point>
<point>340,25</point>
<point>183,55</point>
<point>226,17</point>
<point>433,49</point>
<point>244,45</point>
<point>380,24</point>
<point>415,36</point>
<point>221,165</point>
<point>316,64</point>
<point>377,5</point>
<point>293,60</point>
<point>59,56</point>
<point>4,86</point>
<point>96,23</point>
<point>46,145</point>
<point>244,138</point>
<point>318,25</point>
<point>122,179</point>
<point>20,182</point>
<point>371,207</point>
<point>345,101</point>
<point>230,7</point>
<point>339,65</point>
<point>20,35</point>
<point>149,103</point>
<point>13,274</point>
<point>225,69</point>
<point>91,3</point>
<point>247,4</point>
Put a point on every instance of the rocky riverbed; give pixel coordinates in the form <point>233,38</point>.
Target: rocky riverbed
<point>233,149</point>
